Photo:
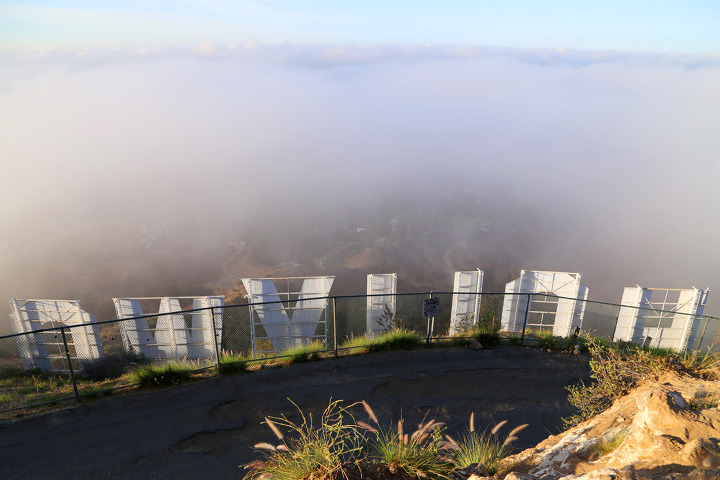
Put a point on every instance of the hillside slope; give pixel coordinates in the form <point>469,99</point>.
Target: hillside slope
<point>666,429</point>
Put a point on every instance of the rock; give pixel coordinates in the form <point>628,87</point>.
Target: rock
<point>475,346</point>
<point>518,476</point>
<point>475,471</point>
<point>662,435</point>
<point>703,474</point>
<point>602,474</point>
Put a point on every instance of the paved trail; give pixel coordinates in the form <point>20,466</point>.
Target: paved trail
<point>204,430</point>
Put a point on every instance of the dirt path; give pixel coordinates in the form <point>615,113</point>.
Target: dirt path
<point>205,429</point>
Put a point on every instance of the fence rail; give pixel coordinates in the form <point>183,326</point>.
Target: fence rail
<point>49,365</point>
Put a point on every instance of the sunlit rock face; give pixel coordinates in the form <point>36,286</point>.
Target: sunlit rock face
<point>669,426</point>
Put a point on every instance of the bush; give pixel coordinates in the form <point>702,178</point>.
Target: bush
<point>393,340</point>
<point>304,353</point>
<point>389,320</point>
<point>318,452</point>
<point>486,332</point>
<point>109,366</point>
<point>616,369</point>
<point>171,373</point>
<point>487,449</point>
<point>610,444</point>
<point>231,363</point>
<point>416,454</point>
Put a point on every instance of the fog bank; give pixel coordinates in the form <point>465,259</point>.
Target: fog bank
<point>615,154</point>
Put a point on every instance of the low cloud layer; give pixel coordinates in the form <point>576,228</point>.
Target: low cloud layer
<point>618,151</point>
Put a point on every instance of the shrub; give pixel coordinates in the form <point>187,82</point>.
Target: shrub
<point>486,332</point>
<point>704,403</point>
<point>171,373</point>
<point>416,454</point>
<point>610,444</point>
<point>483,448</point>
<point>616,369</point>
<point>389,320</point>
<point>706,366</point>
<point>394,340</point>
<point>113,365</point>
<point>317,452</point>
<point>304,353</point>
<point>231,363</point>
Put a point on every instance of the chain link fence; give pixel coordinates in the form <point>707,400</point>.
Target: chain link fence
<point>52,365</point>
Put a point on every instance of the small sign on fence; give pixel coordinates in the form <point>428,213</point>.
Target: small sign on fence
<point>431,307</point>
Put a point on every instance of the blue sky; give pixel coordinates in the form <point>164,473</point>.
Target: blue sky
<point>659,26</point>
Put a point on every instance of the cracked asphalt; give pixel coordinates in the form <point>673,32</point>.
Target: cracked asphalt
<point>207,428</point>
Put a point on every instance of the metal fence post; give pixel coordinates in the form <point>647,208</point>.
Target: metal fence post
<point>430,324</point>
<point>67,355</point>
<point>527,309</point>
<point>335,326</point>
<point>702,337</point>
<point>617,319</point>
<point>215,340</point>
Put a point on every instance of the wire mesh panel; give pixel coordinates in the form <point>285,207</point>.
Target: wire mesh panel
<point>45,349</point>
<point>293,316</point>
<point>661,317</point>
<point>707,337</point>
<point>74,374</point>
<point>21,388</point>
<point>350,318</point>
<point>599,319</point>
<point>176,332</point>
<point>381,298</point>
<point>237,337</point>
<point>466,300</point>
<point>410,314</point>
<point>559,307</point>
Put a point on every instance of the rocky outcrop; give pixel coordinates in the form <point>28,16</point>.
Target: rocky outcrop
<point>665,429</point>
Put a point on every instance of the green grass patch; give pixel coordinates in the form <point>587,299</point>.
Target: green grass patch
<point>231,363</point>
<point>487,333</point>
<point>315,449</point>
<point>304,353</point>
<point>113,365</point>
<point>416,454</point>
<point>705,402</point>
<point>610,444</point>
<point>393,340</point>
<point>171,373</point>
<point>486,448</point>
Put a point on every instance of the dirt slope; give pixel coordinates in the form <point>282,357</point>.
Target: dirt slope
<point>671,430</point>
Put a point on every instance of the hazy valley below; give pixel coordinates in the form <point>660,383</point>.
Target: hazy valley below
<point>423,237</point>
